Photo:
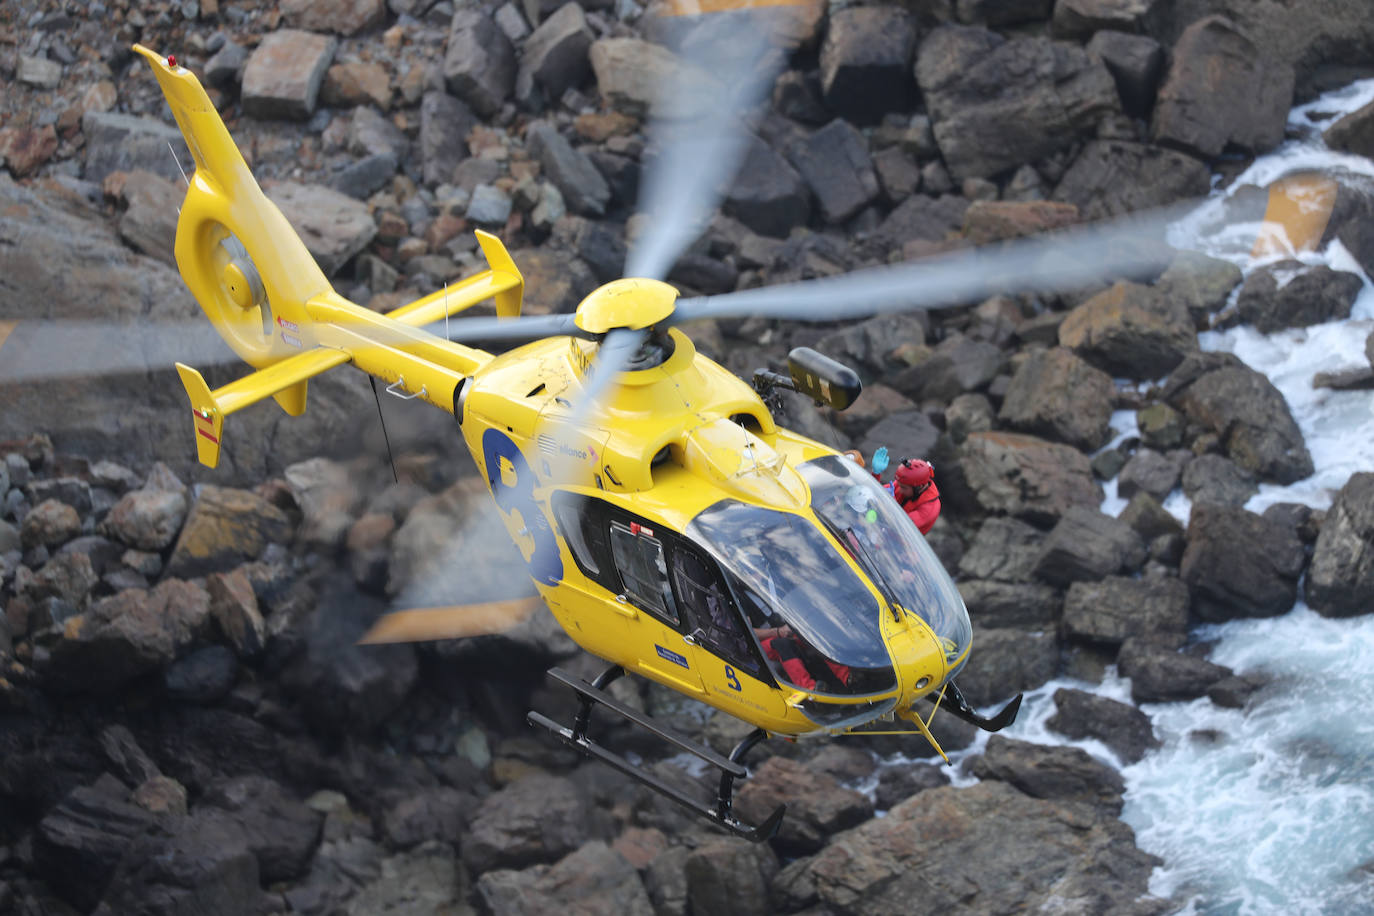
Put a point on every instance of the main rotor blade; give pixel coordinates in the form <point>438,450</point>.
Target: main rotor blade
<point>488,618</point>
<point>32,351</point>
<point>523,328</point>
<point>1063,261</point>
<point>698,131</point>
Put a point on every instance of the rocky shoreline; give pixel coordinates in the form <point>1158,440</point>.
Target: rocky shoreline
<point>186,723</point>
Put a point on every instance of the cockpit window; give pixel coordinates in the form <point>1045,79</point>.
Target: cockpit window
<point>795,585</point>
<point>869,523</point>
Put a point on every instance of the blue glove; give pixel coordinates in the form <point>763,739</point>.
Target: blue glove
<point>880,459</point>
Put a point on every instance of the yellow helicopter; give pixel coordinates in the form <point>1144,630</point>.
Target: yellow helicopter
<point>671,526</point>
<point>668,522</point>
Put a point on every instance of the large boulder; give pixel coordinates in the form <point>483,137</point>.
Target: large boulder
<point>1112,610</point>
<point>1239,564</point>
<point>1057,395</point>
<point>283,75</point>
<point>1003,550</point>
<point>1026,477</point>
<point>866,62</point>
<point>1120,726</point>
<point>835,164</point>
<point>224,528</point>
<point>570,170</point>
<point>539,818</point>
<point>1290,294</point>
<point>1114,177</point>
<point>959,364</point>
<point>334,226</point>
<point>1136,62</point>
<point>1222,91</point>
<point>997,103</point>
<point>817,805</point>
<point>1340,581</point>
<point>1060,773</point>
<point>767,194</point>
<point>1085,545</point>
<point>1005,662</point>
<point>1202,283</point>
<point>445,122</point>
<point>999,850</point>
<point>1161,674</point>
<point>592,879</point>
<point>87,834</point>
<point>1221,394</point>
<point>995,604</point>
<point>479,61</point>
<point>1130,331</point>
<point>555,56</point>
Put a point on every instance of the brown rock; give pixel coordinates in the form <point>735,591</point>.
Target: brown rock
<point>225,528</point>
<point>1130,330</point>
<point>49,524</point>
<point>356,82</point>
<point>342,17</point>
<point>997,220</point>
<point>24,149</point>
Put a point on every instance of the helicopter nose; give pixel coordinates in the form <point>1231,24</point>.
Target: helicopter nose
<point>921,664</point>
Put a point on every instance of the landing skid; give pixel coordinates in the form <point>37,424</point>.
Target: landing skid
<point>731,768</point>
<point>955,704</point>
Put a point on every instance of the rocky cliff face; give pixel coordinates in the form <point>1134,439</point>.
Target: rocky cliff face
<point>186,723</point>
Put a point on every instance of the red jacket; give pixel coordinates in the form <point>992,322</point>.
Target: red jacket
<point>924,509</point>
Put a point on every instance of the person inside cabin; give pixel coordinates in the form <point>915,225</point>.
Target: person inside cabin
<point>803,666</point>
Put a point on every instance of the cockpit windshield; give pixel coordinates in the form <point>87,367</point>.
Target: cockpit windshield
<point>800,596</point>
<point>889,547</point>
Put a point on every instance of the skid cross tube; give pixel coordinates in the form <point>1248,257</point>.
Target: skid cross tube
<point>731,768</point>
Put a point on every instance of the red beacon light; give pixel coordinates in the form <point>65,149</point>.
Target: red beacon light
<point>171,60</point>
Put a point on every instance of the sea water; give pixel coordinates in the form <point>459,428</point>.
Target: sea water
<point>1271,809</point>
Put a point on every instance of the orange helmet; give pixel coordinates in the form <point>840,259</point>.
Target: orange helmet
<point>915,473</point>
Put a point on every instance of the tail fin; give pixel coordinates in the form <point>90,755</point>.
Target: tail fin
<point>269,300</point>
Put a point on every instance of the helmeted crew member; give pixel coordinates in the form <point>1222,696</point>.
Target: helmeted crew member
<point>913,486</point>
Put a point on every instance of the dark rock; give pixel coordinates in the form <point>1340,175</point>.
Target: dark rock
<point>1006,662</point>
<point>1077,20</point>
<point>1340,582</point>
<point>865,62</point>
<point>1130,331</point>
<point>86,835</point>
<point>1148,471</point>
<point>990,114</point>
<point>202,857</point>
<point>1301,519</point>
<point>283,75</point>
<point>593,879</point>
<point>479,62</point>
<point>932,216</point>
<point>898,174</point>
<point>363,178</point>
<point>999,851</point>
<point>869,347</point>
<point>1222,91</point>
<point>1353,133</point>
<point>280,831</point>
<point>906,434</point>
<point>1059,396</point>
<point>797,97</point>
<point>1136,63</point>
<point>126,636</point>
<point>1120,726</point>
<point>897,784</point>
<point>345,687</point>
<point>1110,611</point>
<point>555,55</point>
<point>1085,544</point>
<point>997,13</point>
<point>225,527</point>
<point>1290,294</point>
<point>1061,773</point>
<point>1150,519</point>
<point>1239,564</point>
<point>204,676</point>
<point>445,123</point>
<point>958,365</point>
<point>1107,463</point>
<point>1004,550</point>
<point>767,194</point>
<point>234,607</point>
<point>1026,477</point>
<point>835,165</point>
<point>570,170</point>
<point>602,249</point>
<point>1160,674</point>
<point>1235,692</point>
<point>730,876</point>
<point>430,814</point>
<point>129,760</point>
<point>1158,177</point>
<point>123,143</point>
<point>1011,604</point>
<point>539,818</point>
<point>333,226</point>
<point>818,806</point>
<point>1221,394</point>
<point>1219,481</point>
<point>348,18</point>
<point>1161,427</point>
<point>1203,284</point>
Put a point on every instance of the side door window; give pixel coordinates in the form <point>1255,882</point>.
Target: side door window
<point>643,571</point>
<point>712,618</point>
<point>583,523</point>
